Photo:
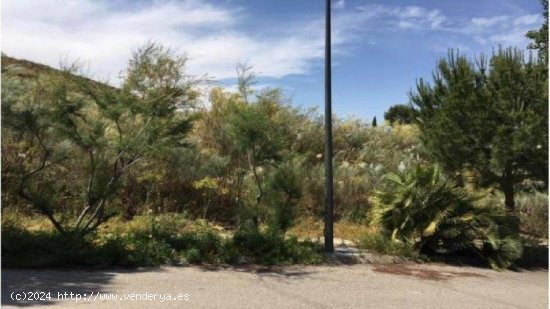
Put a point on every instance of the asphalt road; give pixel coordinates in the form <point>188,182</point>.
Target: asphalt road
<point>356,286</point>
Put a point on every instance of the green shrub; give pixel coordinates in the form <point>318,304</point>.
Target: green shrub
<point>152,241</point>
<point>42,248</point>
<point>270,248</point>
<point>283,191</point>
<point>22,248</point>
<point>192,256</point>
<point>149,241</point>
<point>303,252</point>
<point>382,244</point>
<point>201,238</point>
<point>424,208</point>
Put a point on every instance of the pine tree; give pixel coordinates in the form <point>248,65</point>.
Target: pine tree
<point>490,119</point>
<point>374,124</point>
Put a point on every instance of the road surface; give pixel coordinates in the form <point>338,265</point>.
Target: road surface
<point>341,286</point>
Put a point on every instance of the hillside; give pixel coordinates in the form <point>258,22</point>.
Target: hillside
<point>32,69</point>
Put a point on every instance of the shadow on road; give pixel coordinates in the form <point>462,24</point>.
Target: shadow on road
<point>294,271</point>
<point>58,283</point>
<point>535,257</point>
<point>423,273</point>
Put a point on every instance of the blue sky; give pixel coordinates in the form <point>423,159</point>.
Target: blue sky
<point>380,48</point>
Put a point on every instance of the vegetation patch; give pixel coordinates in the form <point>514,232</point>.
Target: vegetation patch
<point>382,244</point>
<point>429,212</point>
<point>150,241</point>
<point>143,174</point>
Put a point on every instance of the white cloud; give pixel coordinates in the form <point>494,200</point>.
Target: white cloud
<point>212,36</point>
<point>502,29</point>
<point>409,17</point>
<point>411,11</point>
<point>488,22</point>
<point>534,19</point>
<point>97,32</point>
<point>104,35</point>
<point>405,24</point>
<point>340,4</point>
<point>475,33</point>
<point>514,38</point>
<point>421,17</point>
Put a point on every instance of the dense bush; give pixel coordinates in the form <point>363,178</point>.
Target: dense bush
<point>382,244</point>
<point>44,248</point>
<point>75,141</point>
<point>135,245</point>
<point>533,213</point>
<point>234,150</point>
<point>80,153</point>
<point>424,208</point>
<point>150,241</point>
<point>363,154</point>
<point>272,248</point>
<point>283,192</point>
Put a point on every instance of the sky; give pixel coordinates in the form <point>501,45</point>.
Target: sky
<point>380,48</point>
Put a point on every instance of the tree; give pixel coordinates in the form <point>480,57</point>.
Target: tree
<point>246,78</point>
<point>83,137</point>
<point>374,124</point>
<point>540,37</point>
<point>492,120</point>
<point>254,133</point>
<point>400,113</point>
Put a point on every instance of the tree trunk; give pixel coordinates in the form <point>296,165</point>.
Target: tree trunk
<point>509,197</point>
<point>252,163</point>
<point>507,187</point>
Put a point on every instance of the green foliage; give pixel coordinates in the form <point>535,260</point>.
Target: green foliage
<point>400,113</point>
<point>424,208</point>
<point>79,152</point>
<point>251,131</point>
<point>532,211</point>
<point>284,191</point>
<point>143,242</point>
<point>540,37</point>
<point>382,244</point>
<point>362,156</point>
<point>150,241</point>
<point>75,140</point>
<point>21,248</point>
<point>493,119</point>
<point>271,248</point>
<point>374,124</point>
<point>227,170</point>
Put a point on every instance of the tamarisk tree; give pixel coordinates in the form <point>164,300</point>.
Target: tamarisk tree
<point>76,139</point>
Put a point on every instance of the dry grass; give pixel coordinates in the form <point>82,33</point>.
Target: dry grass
<point>114,225</point>
<point>30,223</point>
<point>305,228</point>
<point>311,228</point>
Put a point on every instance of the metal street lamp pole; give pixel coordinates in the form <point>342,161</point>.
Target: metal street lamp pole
<point>329,201</point>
